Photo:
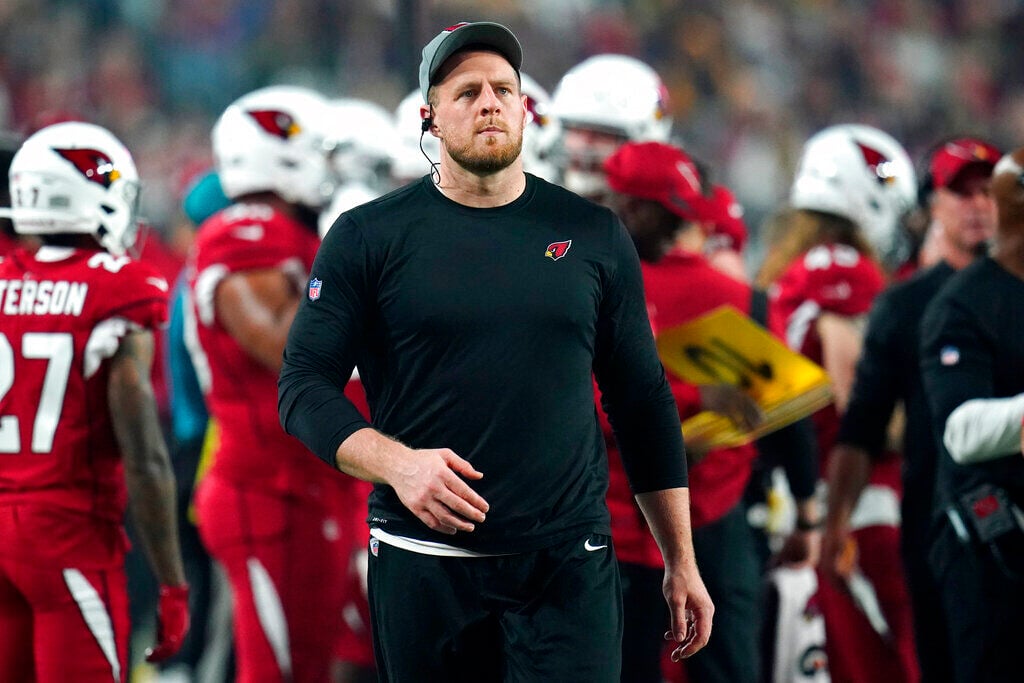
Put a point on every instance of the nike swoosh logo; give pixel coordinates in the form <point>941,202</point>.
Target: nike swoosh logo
<point>592,548</point>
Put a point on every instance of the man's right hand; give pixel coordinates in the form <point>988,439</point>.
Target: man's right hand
<point>838,554</point>
<point>430,483</point>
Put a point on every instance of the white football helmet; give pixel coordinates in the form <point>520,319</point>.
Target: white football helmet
<point>616,94</point>
<point>366,139</point>
<point>75,177</point>
<point>349,195</point>
<point>860,173</point>
<point>540,136</point>
<point>277,139</point>
<point>602,102</point>
<point>408,161</point>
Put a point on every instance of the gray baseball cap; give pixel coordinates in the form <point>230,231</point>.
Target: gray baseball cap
<point>454,38</point>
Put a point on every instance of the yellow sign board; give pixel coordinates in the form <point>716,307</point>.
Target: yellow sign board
<point>725,346</point>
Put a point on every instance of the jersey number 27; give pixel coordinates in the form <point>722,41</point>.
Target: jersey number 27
<point>57,349</point>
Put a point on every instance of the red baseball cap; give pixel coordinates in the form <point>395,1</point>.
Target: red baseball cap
<point>950,160</point>
<point>659,172</point>
<point>727,226</point>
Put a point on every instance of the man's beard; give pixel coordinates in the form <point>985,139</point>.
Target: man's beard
<point>491,160</point>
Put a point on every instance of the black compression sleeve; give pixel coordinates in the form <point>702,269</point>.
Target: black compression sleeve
<point>319,356</point>
<point>635,393</point>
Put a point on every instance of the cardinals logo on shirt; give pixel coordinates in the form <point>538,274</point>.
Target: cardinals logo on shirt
<point>557,250</point>
<point>879,164</point>
<point>278,123</point>
<point>93,164</point>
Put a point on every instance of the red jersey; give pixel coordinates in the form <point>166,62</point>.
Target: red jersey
<point>835,279</point>
<point>242,392</point>
<point>168,264</point>
<point>62,315</point>
<point>679,288</point>
<point>8,243</point>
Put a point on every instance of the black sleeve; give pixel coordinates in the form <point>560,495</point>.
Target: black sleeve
<point>322,345</point>
<point>876,385</point>
<point>956,359</point>
<point>795,448</point>
<point>634,391</point>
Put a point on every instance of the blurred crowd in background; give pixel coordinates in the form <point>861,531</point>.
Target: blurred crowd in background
<point>748,80</point>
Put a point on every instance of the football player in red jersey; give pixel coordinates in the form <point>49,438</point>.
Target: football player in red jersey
<point>668,210</point>
<point>270,513</point>
<point>852,187</point>
<point>79,424</point>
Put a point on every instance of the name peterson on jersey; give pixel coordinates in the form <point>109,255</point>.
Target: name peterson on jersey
<point>42,297</point>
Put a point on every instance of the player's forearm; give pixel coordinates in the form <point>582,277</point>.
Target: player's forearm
<point>849,469</point>
<point>668,515</point>
<point>369,455</point>
<point>148,475</point>
<point>151,496</point>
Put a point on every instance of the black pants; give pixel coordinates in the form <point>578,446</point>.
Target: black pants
<point>984,609</point>
<point>645,618</point>
<point>550,615</point>
<point>930,632</point>
<point>729,563</point>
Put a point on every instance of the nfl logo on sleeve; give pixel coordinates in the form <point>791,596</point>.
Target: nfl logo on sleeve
<point>949,355</point>
<point>314,289</point>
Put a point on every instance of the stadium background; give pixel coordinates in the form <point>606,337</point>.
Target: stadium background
<point>749,80</point>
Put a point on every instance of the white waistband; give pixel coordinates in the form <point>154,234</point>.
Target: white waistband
<point>416,545</point>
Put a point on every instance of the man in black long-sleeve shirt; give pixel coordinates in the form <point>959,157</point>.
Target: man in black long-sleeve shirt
<point>962,213</point>
<point>476,311</point>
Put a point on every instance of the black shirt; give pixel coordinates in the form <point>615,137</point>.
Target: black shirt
<point>479,330</point>
<point>889,370</point>
<point>972,346</point>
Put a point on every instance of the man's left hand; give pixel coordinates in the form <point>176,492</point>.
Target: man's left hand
<point>691,609</point>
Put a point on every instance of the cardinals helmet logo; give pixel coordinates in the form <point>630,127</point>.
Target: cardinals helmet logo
<point>536,110</point>
<point>557,250</point>
<point>93,164</point>
<point>879,164</point>
<point>278,123</point>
